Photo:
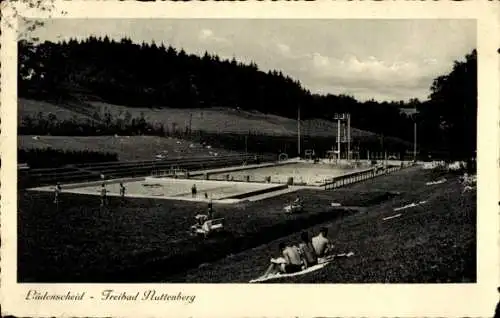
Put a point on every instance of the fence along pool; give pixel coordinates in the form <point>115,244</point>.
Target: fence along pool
<point>358,176</point>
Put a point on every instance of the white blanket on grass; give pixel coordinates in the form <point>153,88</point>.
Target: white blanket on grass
<point>436,182</point>
<point>322,263</point>
<point>468,188</point>
<point>411,205</point>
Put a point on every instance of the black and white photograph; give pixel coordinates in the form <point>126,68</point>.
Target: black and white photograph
<point>240,151</point>
<point>247,151</point>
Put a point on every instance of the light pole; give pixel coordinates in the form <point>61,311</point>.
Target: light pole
<point>298,131</point>
<point>338,139</point>
<point>190,122</point>
<point>414,138</point>
<point>246,144</point>
<point>348,137</point>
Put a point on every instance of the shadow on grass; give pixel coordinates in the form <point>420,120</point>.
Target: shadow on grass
<point>152,266</point>
<point>370,199</point>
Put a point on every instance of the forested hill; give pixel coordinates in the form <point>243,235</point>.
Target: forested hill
<point>158,76</point>
<point>151,75</point>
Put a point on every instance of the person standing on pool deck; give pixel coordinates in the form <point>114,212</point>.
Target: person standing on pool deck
<point>57,191</point>
<point>193,190</point>
<point>103,194</point>
<point>122,191</point>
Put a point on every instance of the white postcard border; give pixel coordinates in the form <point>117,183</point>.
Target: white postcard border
<point>230,300</point>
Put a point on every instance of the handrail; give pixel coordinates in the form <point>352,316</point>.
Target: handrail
<point>357,176</point>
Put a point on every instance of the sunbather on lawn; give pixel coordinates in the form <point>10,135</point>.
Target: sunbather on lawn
<point>307,250</point>
<point>289,262</point>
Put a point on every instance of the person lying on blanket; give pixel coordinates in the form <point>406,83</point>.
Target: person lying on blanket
<point>307,250</point>
<point>321,244</point>
<point>289,262</point>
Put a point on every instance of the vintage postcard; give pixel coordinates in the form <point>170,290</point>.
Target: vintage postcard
<point>250,159</point>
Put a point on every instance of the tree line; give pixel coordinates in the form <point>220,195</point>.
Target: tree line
<point>151,75</point>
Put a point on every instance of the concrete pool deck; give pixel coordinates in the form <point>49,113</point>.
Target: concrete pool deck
<point>174,189</point>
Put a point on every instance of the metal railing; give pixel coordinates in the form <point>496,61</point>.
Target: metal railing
<point>358,176</point>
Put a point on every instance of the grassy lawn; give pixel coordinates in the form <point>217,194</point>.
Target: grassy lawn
<point>433,243</point>
<point>144,240</point>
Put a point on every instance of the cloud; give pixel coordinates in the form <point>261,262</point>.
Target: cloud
<point>369,68</point>
<point>207,35</point>
<point>366,78</point>
<point>283,49</point>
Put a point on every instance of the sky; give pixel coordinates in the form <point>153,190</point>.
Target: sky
<point>379,59</point>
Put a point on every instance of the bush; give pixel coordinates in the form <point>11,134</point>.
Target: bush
<point>50,158</point>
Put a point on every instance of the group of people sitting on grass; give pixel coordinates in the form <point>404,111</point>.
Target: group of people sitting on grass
<point>295,258</point>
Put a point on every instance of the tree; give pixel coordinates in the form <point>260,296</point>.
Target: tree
<point>454,107</point>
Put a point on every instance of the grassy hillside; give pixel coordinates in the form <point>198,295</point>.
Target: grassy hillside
<point>127,147</point>
<point>213,120</point>
<point>28,107</point>
<point>221,128</point>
